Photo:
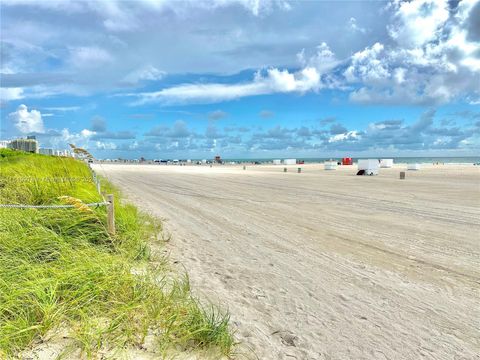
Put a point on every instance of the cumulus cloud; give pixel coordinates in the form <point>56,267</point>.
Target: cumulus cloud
<point>85,133</point>
<point>100,145</point>
<point>217,115</point>
<point>431,55</point>
<point>61,138</point>
<point>117,135</point>
<point>347,136</point>
<point>432,60</point>
<point>27,121</point>
<point>179,130</point>
<point>354,27</point>
<point>323,60</point>
<point>391,135</point>
<point>146,73</point>
<point>387,124</point>
<point>212,132</point>
<point>337,129</point>
<point>368,65</point>
<point>418,22</point>
<point>98,131</point>
<point>395,135</point>
<point>304,132</point>
<point>423,134</point>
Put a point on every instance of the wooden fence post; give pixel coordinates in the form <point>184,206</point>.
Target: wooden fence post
<point>402,175</point>
<point>110,215</point>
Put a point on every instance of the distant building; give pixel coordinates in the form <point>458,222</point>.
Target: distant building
<point>44,151</point>
<point>63,153</point>
<point>28,145</point>
<point>53,152</point>
<point>4,144</point>
<point>31,137</point>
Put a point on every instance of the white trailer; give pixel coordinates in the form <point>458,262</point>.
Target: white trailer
<point>290,161</point>
<point>277,162</point>
<point>369,166</point>
<point>386,163</point>
<point>330,165</point>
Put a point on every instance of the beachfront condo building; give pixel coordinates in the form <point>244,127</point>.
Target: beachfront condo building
<point>4,144</point>
<point>28,145</point>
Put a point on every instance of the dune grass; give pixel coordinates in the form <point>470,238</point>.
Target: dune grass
<point>61,269</point>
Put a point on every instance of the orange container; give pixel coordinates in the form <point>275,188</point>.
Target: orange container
<point>347,161</point>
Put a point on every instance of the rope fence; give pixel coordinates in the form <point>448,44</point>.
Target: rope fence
<point>22,206</point>
<point>109,203</point>
<point>96,181</point>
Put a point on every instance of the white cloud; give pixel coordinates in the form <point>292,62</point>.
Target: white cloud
<point>65,137</point>
<point>217,115</point>
<point>433,61</point>
<point>27,121</point>
<point>105,145</point>
<point>274,81</point>
<point>89,56</point>
<point>419,22</point>
<point>350,135</point>
<point>430,57</point>
<point>63,108</point>
<point>323,60</point>
<point>145,73</point>
<point>83,135</point>
<point>368,65</point>
<point>9,94</point>
<point>354,27</point>
<point>87,133</point>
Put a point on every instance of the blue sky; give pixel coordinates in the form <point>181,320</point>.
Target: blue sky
<point>244,78</point>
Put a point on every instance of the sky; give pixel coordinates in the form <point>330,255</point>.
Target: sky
<point>243,78</point>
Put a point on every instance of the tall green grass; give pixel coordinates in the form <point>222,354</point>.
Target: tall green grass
<point>61,269</point>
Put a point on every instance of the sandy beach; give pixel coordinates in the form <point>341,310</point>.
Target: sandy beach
<point>326,264</point>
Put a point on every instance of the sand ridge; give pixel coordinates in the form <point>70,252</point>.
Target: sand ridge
<point>326,264</point>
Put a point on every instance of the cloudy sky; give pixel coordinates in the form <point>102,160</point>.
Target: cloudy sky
<point>244,78</point>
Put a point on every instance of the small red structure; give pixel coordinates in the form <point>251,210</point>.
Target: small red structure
<point>347,161</point>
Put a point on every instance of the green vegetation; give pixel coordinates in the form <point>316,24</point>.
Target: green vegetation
<point>60,269</point>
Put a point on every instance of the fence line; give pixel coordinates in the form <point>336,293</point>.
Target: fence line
<point>96,181</point>
<point>95,204</point>
<point>108,203</point>
<point>23,206</point>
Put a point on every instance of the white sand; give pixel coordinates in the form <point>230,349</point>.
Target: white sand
<point>325,264</point>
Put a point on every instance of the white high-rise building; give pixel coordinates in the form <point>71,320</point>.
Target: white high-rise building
<point>28,145</point>
<point>4,144</point>
<point>44,151</point>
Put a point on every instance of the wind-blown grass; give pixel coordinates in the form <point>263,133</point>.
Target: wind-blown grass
<point>61,269</point>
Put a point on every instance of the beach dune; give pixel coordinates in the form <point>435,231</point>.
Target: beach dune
<point>326,264</point>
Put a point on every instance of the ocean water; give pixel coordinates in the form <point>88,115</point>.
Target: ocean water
<point>396,160</point>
